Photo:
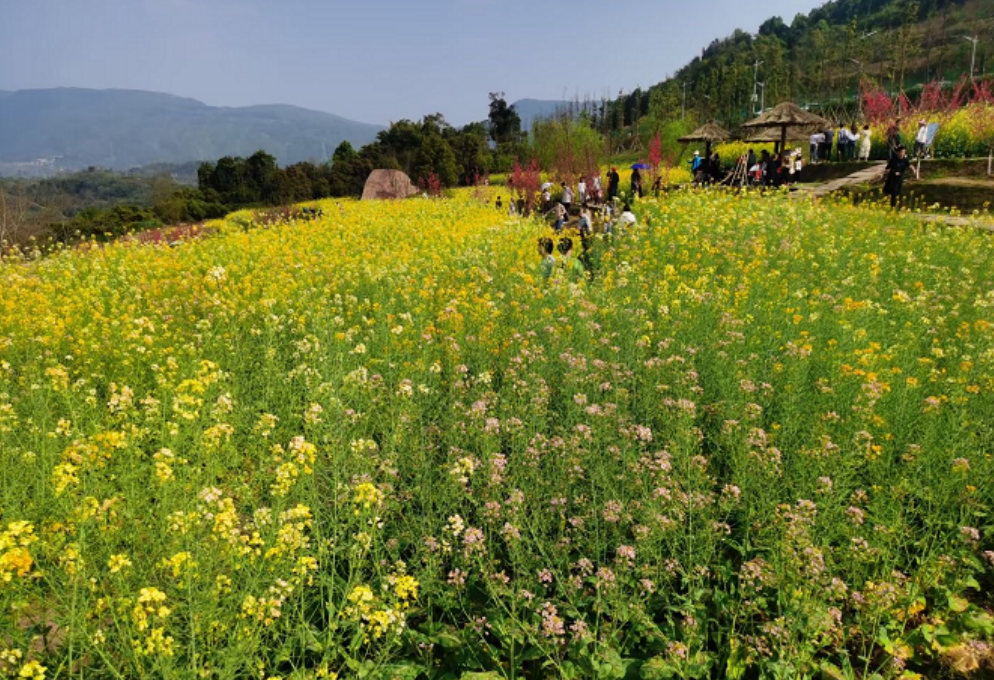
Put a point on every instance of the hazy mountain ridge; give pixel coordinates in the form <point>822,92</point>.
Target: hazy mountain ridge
<point>122,129</point>
<point>531,110</point>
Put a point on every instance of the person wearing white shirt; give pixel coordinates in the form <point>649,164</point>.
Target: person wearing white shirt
<point>567,197</point>
<point>921,139</point>
<point>816,140</point>
<point>581,191</point>
<point>866,144</point>
<point>627,219</point>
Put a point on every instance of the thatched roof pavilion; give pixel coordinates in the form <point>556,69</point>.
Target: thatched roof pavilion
<point>787,116</point>
<point>708,133</point>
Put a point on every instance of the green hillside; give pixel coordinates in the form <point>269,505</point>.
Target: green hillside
<point>818,59</point>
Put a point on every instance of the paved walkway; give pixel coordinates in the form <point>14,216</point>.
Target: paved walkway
<point>874,172</point>
<point>870,173</point>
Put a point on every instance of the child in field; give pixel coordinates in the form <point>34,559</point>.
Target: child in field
<point>560,217</point>
<point>548,266</point>
<point>585,225</point>
<point>627,219</point>
<point>572,266</point>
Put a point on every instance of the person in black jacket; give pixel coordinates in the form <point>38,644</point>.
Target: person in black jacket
<point>897,168</point>
<point>613,180</point>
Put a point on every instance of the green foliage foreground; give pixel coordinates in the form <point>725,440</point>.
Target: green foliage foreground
<point>756,444</point>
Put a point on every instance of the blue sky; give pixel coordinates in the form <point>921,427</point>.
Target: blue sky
<point>371,60</point>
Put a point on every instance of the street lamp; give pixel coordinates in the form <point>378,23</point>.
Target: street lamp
<point>755,82</point>
<point>762,90</point>
<point>859,83</point>
<point>973,58</point>
<point>683,111</point>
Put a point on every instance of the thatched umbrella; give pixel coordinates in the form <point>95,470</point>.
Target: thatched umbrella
<point>708,134</point>
<point>785,116</point>
<point>773,136</point>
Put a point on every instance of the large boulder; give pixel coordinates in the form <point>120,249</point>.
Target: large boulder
<point>388,184</point>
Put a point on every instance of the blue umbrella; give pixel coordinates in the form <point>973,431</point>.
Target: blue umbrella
<point>641,166</point>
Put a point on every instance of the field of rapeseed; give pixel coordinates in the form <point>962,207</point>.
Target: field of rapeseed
<point>758,443</point>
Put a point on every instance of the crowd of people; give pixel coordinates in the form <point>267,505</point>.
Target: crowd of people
<point>706,170</point>
<point>596,211</point>
<point>850,144</point>
<point>574,267</point>
<point>779,169</point>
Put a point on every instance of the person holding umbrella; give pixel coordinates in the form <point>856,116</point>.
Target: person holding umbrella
<point>613,182</point>
<point>636,181</point>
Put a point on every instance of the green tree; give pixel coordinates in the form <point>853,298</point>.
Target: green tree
<point>505,123</point>
<point>472,152</point>
<point>436,156</point>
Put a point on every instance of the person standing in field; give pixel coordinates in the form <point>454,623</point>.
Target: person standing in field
<point>865,144</point>
<point>567,197</point>
<point>548,266</point>
<point>715,169</point>
<point>585,225</point>
<point>613,182</point>
<point>826,149</point>
<point>598,188</point>
<point>546,200</point>
<point>581,191</point>
<point>560,217</point>
<point>627,219</point>
<point>893,139</point>
<point>500,204</point>
<point>897,168</point>
<point>636,183</point>
<point>853,141</point>
<point>816,141</point>
<point>572,266</point>
<point>695,167</point>
<point>921,139</point>
<point>842,143</point>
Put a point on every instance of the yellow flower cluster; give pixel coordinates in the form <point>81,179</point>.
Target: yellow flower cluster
<point>15,558</point>
<point>150,616</point>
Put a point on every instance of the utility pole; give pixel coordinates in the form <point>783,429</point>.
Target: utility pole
<point>973,58</point>
<point>762,97</point>
<point>683,111</point>
<point>755,84</point>
<point>859,83</point>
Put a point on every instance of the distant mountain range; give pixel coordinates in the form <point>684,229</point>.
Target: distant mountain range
<point>47,131</point>
<point>72,128</point>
